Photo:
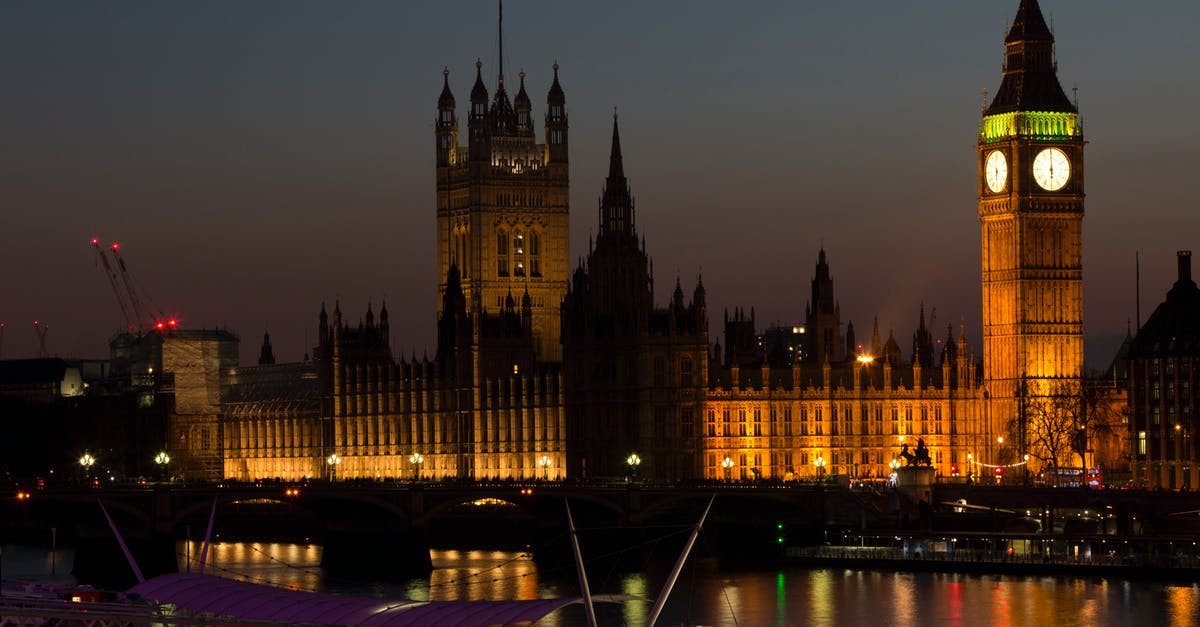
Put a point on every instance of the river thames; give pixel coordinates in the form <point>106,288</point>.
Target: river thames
<point>706,594</point>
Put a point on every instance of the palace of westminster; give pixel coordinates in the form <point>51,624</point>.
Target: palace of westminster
<point>547,371</point>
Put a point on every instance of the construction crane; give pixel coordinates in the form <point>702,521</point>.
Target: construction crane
<point>146,320</point>
<point>138,317</point>
<point>112,280</point>
<point>41,330</point>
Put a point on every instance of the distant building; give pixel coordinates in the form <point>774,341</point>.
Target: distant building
<point>39,381</point>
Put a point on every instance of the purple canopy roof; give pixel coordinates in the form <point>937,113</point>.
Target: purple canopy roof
<point>226,597</point>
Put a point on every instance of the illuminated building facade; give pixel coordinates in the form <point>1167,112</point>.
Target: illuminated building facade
<point>1031,196</point>
<point>502,204</point>
<point>848,414</point>
<point>543,373</point>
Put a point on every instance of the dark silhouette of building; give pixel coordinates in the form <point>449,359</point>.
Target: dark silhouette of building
<point>635,372</point>
<point>1162,359</point>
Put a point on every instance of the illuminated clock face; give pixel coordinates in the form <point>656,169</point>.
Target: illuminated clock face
<point>1051,169</point>
<point>995,171</point>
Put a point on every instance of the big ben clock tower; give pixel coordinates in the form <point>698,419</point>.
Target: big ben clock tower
<point>1031,215</point>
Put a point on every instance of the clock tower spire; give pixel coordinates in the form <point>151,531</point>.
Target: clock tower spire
<point>1030,163</point>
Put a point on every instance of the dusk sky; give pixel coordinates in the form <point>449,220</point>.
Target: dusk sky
<point>256,159</point>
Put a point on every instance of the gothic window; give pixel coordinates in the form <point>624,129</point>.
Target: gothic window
<point>787,421</point>
<point>1141,443</point>
<point>502,253</point>
<point>685,372</point>
<point>895,421</point>
<point>757,422</point>
<point>660,367</point>
<point>535,254</point>
<point>803,420</point>
<point>817,427</point>
<point>712,423</point>
<point>725,420</point>
<point>686,420</point>
<point>742,422</point>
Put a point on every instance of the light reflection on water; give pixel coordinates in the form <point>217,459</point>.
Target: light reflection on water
<point>706,594</point>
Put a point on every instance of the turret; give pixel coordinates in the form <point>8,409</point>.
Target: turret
<point>267,356</point>
<point>447,123</point>
<point>477,121</point>
<point>523,106</point>
<point>384,330</point>
<point>323,327</point>
<point>556,122</point>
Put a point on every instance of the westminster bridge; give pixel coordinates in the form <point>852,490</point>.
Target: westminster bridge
<point>392,524</point>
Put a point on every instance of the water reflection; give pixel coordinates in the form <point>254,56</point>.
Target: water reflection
<point>704,594</point>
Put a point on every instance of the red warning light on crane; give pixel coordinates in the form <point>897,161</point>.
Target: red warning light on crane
<point>95,241</point>
<point>116,246</point>
<point>172,322</point>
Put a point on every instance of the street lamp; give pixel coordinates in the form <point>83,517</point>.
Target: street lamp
<point>727,464</point>
<point>634,461</point>
<point>1026,459</point>
<point>415,459</point>
<point>545,462</point>
<point>87,461</point>
<point>819,462</point>
<point>333,460</point>
<point>162,459</point>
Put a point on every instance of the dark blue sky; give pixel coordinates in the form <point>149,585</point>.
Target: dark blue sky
<point>258,158</point>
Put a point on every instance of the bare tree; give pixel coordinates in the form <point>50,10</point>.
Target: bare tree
<point>1052,425</point>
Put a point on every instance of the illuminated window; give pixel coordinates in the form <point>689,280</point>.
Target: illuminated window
<point>518,254</point>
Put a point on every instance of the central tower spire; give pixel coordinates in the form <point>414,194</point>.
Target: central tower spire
<point>616,205</point>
